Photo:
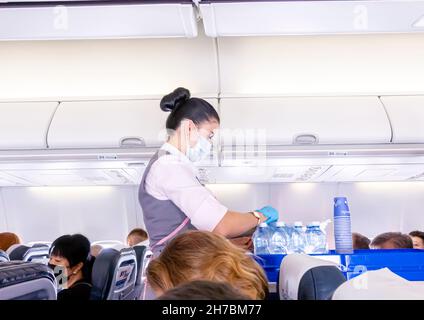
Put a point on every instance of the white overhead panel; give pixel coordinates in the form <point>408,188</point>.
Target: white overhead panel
<point>75,177</point>
<point>252,124</point>
<point>357,173</point>
<point>406,114</point>
<point>108,124</point>
<point>34,20</point>
<point>251,18</point>
<point>261,174</point>
<point>24,125</point>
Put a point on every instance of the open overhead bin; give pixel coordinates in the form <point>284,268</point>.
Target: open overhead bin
<point>24,125</point>
<point>273,17</point>
<point>406,115</point>
<point>96,19</point>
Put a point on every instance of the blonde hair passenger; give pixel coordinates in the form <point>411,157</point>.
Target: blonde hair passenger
<point>201,255</point>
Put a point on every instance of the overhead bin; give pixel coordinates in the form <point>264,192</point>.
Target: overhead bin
<point>107,124</point>
<point>321,65</point>
<point>24,125</point>
<point>78,70</point>
<point>303,120</point>
<point>250,18</point>
<point>406,114</point>
<point>32,20</point>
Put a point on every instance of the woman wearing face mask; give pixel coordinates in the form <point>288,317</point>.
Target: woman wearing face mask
<point>171,196</point>
<point>71,262</point>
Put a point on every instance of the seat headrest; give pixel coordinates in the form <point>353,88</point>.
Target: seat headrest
<point>380,284</point>
<point>26,281</point>
<point>36,253</point>
<point>114,274</point>
<point>304,277</point>
<point>4,257</point>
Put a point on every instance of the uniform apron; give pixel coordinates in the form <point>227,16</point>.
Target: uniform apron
<point>163,219</point>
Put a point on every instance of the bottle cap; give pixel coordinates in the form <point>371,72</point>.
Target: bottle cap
<point>263,225</point>
<point>298,224</point>
<point>280,224</point>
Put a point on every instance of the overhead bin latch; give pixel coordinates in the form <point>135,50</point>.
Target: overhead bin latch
<point>132,142</point>
<point>305,138</point>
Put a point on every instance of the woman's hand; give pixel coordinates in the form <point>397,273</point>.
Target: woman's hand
<point>270,213</point>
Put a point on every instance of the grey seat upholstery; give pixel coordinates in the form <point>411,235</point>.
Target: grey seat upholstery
<point>114,274</point>
<point>4,256</point>
<point>140,253</point>
<point>304,277</point>
<point>34,253</point>
<point>26,281</point>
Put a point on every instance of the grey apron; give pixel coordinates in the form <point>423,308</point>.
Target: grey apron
<point>161,217</point>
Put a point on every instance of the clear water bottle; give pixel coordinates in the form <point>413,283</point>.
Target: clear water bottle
<point>297,240</point>
<point>261,239</point>
<point>316,239</point>
<point>279,239</point>
<point>342,226</point>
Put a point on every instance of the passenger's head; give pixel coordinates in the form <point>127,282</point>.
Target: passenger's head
<point>8,239</point>
<point>72,254</point>
<point>417,239</point>
<point>192,121</point>
<point>203,290</point>
<point>95,250</point>
<point>360,241</point>
<point>392,240</point>
<point>200,255</point>
<point>135,236</point>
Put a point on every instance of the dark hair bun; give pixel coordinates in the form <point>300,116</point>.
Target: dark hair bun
<point>174,99</point>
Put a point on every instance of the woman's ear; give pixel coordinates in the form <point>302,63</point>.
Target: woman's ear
<point>77,268</point>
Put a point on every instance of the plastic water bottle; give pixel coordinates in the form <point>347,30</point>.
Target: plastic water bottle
<point>279,239</point>
<point>261,239</point>
<point>297,240</point>
<point>342,226</point>
<point>316,239</point>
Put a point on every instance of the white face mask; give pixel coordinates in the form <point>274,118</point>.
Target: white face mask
<point>200,151</point>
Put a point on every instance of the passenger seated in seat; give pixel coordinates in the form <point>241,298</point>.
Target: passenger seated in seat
<point>392,240</point>
<point>201,255</point>
<point>203,290</point>
<point>71,261</point>
<point>360,241</point>
<point>417,239</point>
<point>8,239</point>
<point>137,237</point>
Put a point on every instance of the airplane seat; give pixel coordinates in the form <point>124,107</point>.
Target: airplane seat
<point>304,277</point>
<point>4,257</point>
<point>140,254</point>
<point>21,280</point>
<point>35,253</point>
<point>114,274</point>
<point>380,284</point>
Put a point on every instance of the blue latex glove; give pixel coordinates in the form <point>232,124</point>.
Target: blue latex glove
<point>270,213</point>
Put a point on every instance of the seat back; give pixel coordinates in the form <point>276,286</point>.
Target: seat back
<point>304,277</point>
<point>114,274</point>
<point>140,254</point>
<point>35,253</point>
<point>26,281</point>
<point>381,284</point>
<point>4,257</point>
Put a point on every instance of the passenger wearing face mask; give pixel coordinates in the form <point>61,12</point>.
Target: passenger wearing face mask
<point>71,263</point>
<point>171,196</point>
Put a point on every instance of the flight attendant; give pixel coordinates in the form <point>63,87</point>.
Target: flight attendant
<point>171,196</point>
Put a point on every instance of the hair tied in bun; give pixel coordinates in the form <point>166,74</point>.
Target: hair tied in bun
<point>175,99</point>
